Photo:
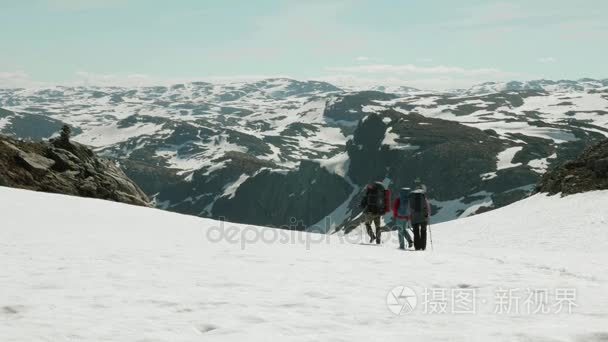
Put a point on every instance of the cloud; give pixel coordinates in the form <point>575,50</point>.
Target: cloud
<point>84,78</point>
<point>21,79</point>
<point>362,59</point>
<point>96,79</point>
<point>17,79</point>
<point>547,60</point>
<point>434,77</point>
<point>405,69</point>
<point>424,82</point>
<point>437,77</point>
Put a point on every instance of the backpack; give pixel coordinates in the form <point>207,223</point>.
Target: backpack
<point>404,205</point>
<point>378,199</point>
<point>418,206</point>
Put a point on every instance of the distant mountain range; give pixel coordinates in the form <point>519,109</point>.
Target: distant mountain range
<point>268,151</point>
<point>584,84</point>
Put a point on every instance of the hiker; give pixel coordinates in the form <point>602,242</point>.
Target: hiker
<point>420,211</point>
<point>375,203</point>
<point>418,184</point>
<point>401,215</point>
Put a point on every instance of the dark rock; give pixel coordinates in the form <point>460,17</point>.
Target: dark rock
<point>600,167</point>
<point>35,162</point>
<point>588,172</point>
<point>66,168</point>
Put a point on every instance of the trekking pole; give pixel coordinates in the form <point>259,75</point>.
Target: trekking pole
<point>431,237</point>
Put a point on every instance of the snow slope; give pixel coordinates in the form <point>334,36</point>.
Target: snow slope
<point>74,269</point>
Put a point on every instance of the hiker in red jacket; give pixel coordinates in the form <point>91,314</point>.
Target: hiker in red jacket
<point>402,217</point>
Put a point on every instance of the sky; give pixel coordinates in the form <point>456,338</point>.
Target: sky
<point>430,44</point>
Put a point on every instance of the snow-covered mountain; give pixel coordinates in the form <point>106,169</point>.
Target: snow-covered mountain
<point>284,152</point>
<point>584,84</point>
<point>91,270</point>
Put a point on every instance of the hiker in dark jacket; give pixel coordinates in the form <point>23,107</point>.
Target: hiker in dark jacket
<point>420,211</point>
<point>374,206</point>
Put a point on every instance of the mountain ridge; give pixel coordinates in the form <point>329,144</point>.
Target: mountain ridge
<point>194,146</point>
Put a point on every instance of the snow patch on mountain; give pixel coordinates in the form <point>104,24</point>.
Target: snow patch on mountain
<point>390,140</point>
<point>541,165</point>
<point>505,158</point>
<point>112,134</point>
<point>231,189</point>
<point>459,208</point>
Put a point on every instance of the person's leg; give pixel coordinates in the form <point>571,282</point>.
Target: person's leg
<point>368,226</point>
<point>410,242</point>
<point>416,228</point>
<point>402,232</point>
<point>378,229</point>
<point>423,236</point>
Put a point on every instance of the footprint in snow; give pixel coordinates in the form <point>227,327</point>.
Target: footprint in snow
<point>205,328</point>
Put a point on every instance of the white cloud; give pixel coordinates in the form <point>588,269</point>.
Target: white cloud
<point>438,77</point>
<point>129,80</point>
<point>21,79</point>
<point>142,80</point>
<point>547,60</point>
<point>17,79</point>
<point>405,69</point>
<point>362,59</point>
<point>432,78</point>
<point>428,82</point>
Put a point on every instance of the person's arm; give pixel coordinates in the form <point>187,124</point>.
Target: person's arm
<point>428,208</point>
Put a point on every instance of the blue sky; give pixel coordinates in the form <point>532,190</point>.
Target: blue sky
<point>430,44</point>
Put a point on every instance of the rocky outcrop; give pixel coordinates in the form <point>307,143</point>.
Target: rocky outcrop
<point>588,172</point>
<point>65,168</point>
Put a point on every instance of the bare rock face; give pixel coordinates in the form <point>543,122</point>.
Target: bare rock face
<point>35,162</point>
<point>67,168</point>
<point>588,172</point>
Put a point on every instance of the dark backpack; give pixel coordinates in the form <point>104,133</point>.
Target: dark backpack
<point>378,199</point>
<point>418,209</point>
